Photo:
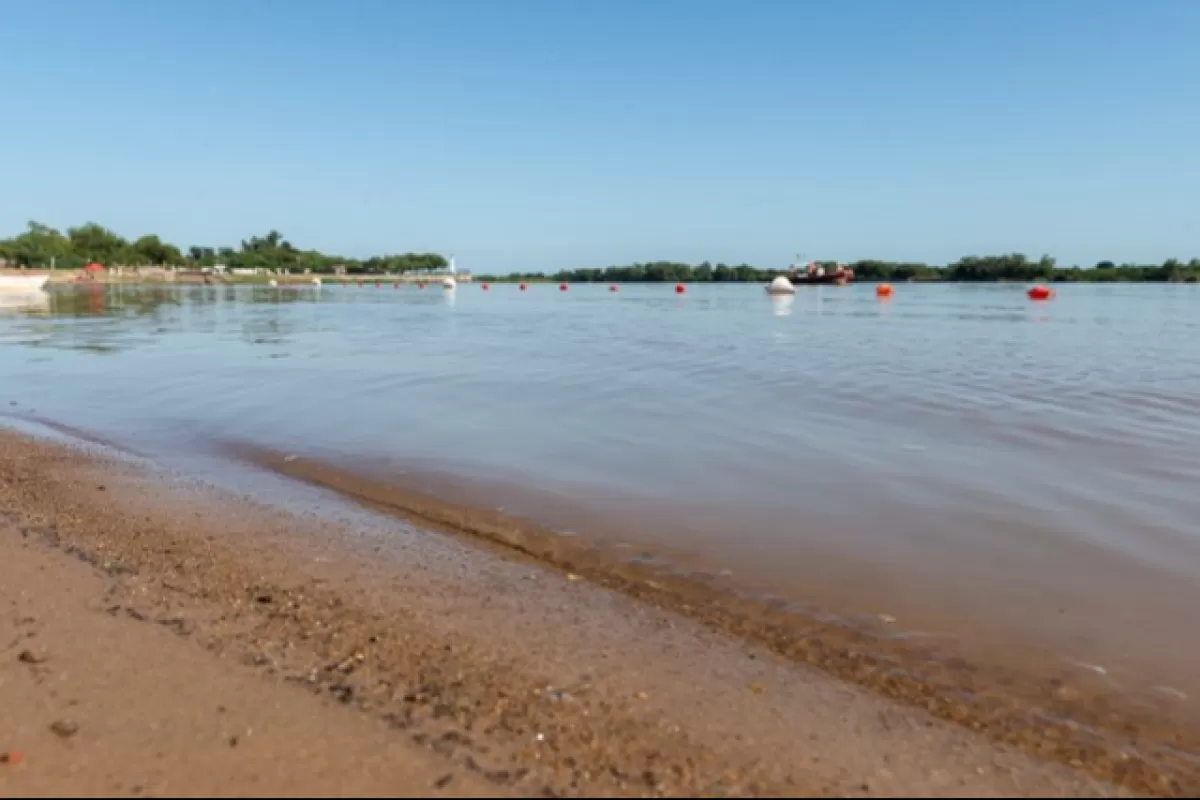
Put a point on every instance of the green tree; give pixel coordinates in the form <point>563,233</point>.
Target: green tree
<point>152,250</point>
<point>94,242</point>
<point>38,246</point>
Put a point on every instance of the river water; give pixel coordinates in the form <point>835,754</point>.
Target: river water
<point>957,459</point>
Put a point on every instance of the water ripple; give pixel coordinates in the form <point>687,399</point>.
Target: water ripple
<point>951,424</point>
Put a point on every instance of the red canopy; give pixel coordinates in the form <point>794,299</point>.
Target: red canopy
<point>93,267</point>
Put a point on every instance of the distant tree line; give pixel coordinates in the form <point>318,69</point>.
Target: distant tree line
<point>1012,267</point>
<point>42,246</point>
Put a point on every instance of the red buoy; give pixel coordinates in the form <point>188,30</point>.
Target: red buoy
<point>883,290</point>
<point>485,287</point>
<point>523,287</point>
<point>612,288</point>
<point>420,285</point>
<point>396,285</point>
<point>680,288</point>
<point>562,287</point>
<point>1041,292</point>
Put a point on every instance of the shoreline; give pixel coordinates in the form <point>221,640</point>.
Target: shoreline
<point>514,674</point>
<point>196,279</point>
<point>60,278</point>
<point>1069,712</point>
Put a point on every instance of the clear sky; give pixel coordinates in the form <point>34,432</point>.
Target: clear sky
<point>523,134</point>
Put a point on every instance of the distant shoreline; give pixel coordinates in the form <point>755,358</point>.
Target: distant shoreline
<point>938,280</point>
<point>41,246</point>
<point>72,277</point>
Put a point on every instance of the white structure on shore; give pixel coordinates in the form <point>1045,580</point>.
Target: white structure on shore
<point>448,283</point>
<point>22,283</point>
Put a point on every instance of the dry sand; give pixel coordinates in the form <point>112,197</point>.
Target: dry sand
<point>151,718</point>
<point>164,618</point>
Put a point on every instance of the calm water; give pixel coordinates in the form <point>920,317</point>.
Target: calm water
<point>1036,466</point>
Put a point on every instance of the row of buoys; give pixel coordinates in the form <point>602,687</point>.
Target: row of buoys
<point>882,290</point>
<point>1039,292</point>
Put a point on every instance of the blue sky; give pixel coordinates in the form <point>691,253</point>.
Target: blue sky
<point>523,134</point>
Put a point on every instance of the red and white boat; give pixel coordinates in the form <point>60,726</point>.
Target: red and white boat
<point>838,276</point>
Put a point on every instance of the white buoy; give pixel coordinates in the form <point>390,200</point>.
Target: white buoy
<point>272,282</point>
<point>781,285</point>
<point>316,281</point>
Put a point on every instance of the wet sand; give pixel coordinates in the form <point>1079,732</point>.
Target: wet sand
<point>1021,696</point>
<point>373,657</point>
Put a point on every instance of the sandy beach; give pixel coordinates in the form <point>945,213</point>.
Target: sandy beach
<point>160,636</point>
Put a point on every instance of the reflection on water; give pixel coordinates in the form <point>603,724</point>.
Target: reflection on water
<point>34,302</point>
<point>782,304</point>
<point>955,445</point>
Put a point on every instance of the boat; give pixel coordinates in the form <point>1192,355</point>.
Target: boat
<point>13,282</point>
<point>814,280</point>
<point>448,283</point>
<point>813,275</point>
